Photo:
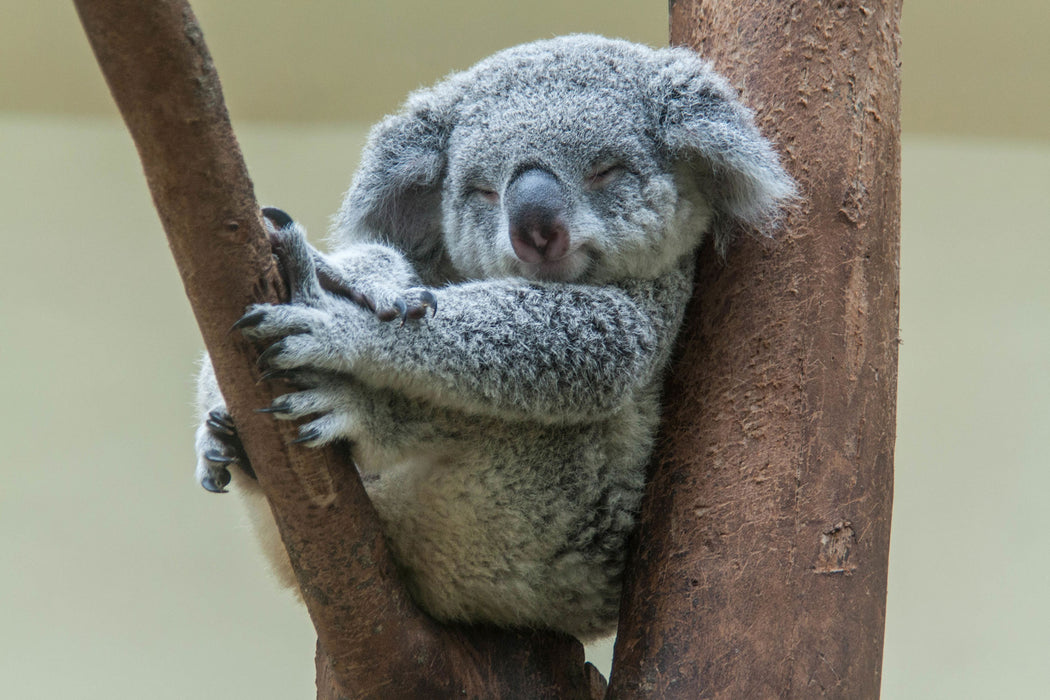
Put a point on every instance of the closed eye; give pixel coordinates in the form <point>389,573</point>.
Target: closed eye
<point>486,193</point>
<point>604,174</point>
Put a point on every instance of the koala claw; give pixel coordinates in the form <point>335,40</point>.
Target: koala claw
<point>276,407</point>
<point>219,447</point>
<point>405,311</point>
<point>279,218</point>
<point>307,435</point>
<point>428,300</point>
<point>267,355</point>
<point>218,457</point>
<point>218,476</point>
<point>210,484</point>
<point>249,320</point>
<point>220,423</point>
<point>286,375</point>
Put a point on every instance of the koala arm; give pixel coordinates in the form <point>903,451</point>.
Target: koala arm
<point>505,347</point>
<point>520,349</point>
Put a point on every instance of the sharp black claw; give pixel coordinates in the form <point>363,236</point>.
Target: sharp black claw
<point>269,353</point>
<point>287,375</point>
<point>220,428</point>
<point>222,417</point>
<point>275,408</point>
<point>250,319</point>
<point>216,486</point>
<point>402,310</point>
<point>219,422</point>
<point>219,457</point>
<point>429,300</point>
<point>307,435</point>
<point>279,218</point>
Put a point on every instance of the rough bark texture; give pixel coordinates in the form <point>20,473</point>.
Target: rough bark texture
<point>372,641</point>
<point>760,567</point>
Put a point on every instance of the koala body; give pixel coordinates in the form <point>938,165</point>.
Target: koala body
<point>547,204</point>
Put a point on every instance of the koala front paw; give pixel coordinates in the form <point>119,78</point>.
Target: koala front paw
<point>219,447</point>
<point>300,337</point>
<point>317,329</point>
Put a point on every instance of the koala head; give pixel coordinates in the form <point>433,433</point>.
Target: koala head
<point>573,159</point>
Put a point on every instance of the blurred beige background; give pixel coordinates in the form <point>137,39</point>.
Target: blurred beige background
<point>121,578</point>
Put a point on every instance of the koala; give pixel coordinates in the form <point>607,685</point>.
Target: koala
<point>490,333</point>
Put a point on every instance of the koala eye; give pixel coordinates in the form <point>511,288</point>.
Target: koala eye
<point>486,193</point>
<point>604,174</point>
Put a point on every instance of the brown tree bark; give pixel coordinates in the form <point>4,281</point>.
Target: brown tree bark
<point>759,570</point>
<point>372,641</point>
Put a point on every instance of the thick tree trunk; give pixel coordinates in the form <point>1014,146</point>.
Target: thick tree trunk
<point>372,641</point>
<point>759,570</point>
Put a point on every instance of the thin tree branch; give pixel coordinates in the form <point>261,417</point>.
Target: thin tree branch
<point>760,565</point>
<point>372,640</point>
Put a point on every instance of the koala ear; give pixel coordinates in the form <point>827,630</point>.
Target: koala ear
<point>395,196</point>
<point>702,124</point>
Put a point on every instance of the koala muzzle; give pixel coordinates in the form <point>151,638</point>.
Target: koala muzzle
<point>536,207</point>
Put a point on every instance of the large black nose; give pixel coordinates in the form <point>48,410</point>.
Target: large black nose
<point>535,203</point>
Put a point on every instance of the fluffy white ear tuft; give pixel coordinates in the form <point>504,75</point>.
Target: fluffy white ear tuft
<point>702,123</point>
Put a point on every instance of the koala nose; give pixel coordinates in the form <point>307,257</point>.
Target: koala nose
<point>536,207</point>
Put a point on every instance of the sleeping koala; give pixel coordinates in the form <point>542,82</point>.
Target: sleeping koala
<point>511,265</point>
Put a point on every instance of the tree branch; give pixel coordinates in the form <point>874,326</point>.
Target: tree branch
<point>760,565</point>
<point>372,640</point>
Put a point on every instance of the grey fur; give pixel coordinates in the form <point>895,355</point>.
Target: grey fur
<point>508,434</point>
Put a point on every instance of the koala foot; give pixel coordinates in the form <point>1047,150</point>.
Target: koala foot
<point>217,448</point>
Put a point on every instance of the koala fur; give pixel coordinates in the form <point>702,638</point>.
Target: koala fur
<point>533,222</point>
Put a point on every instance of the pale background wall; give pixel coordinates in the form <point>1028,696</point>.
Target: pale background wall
<point>121,578</point>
